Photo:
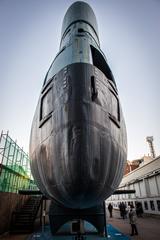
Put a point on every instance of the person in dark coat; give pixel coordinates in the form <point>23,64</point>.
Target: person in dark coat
<point>139,209</point>
<point>133,221</point>
<point>122,208</point>
<point>110,209</point>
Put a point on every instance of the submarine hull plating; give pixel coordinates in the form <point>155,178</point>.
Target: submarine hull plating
<point>78,137</point>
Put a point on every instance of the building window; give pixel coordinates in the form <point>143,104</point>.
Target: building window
<point>146,205</point>
<point>46,104</point>
<point>158,205</point>
<point>152,205</point>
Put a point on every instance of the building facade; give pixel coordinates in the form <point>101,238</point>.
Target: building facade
<point>145,180</point>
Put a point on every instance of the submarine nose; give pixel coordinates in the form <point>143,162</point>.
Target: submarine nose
<point>79,12</point>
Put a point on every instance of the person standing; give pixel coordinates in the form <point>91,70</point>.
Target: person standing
<point>133,221</point>
<point>123,210</point>
<point>110,209</point>
<point>139,209</point>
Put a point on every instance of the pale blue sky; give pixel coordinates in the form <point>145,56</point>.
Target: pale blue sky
<point>130,38</point>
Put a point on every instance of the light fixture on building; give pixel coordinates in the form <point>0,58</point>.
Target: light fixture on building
<point>149,139</point>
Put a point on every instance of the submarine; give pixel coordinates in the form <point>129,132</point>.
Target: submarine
<point>78,140</point>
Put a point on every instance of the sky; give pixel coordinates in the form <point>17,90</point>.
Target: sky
<point>129,33</point>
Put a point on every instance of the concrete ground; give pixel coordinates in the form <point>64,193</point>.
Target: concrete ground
<point>15,237</point>
<point>148,226</point>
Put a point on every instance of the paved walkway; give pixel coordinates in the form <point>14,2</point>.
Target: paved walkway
<point>148,226</point>
<point>91,233</point>
<point>64,234</point>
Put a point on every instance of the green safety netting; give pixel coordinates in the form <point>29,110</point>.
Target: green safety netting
<point>15,173</point>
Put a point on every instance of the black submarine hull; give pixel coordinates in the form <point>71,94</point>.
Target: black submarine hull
<point>78,148</point>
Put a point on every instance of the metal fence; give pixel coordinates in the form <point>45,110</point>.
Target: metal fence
<point>15,173</point>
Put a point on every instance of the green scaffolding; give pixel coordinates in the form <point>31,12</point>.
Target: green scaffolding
<point>15,173</point>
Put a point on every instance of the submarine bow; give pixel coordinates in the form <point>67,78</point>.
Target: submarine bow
<point>78,143</point>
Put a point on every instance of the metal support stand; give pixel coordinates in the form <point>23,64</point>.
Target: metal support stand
<point>43,218</point>
<point>105,220</point>
<point>58,215</point>
<point>41,212</point>
<point>43,215</point>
